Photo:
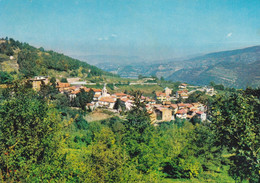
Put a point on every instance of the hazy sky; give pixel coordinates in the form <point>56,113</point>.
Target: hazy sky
<point>151,29</point>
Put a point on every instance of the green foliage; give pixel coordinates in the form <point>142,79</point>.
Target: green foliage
<point>251,91</point>
<point>236,121</point>
<point>43,139</point>
<point>28,134</point>
<point>119,105</point>
<point>194,97</point>
<point>83,98</point>
<point>5,78</point>
<point>7,48</point>
<point>27,61</point>
<point>64,80</point>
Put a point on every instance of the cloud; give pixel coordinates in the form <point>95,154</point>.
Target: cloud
<point>229,35</point>
<point>106,38</point>
<point>113,35</point>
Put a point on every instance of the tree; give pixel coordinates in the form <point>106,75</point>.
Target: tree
<point>53,82</point>
<point>219,87</point>
<point>83,98</point>
<point>235,120</point>
<point>27,63</point>
<point>138,117</point>
<point>140,76</point>
<point>212,83</point>
<point>106,161</point>
<point>64,80</point>
<point>162,78</point>
<point>5,78</point>
<point>119,105</point>
<point>28,134</point>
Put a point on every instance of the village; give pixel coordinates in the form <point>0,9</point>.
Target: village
<point>163,107</point>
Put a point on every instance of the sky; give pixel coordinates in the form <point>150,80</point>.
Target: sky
<point>149,29</point>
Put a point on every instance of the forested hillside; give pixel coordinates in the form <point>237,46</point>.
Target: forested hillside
<point>33,61</point>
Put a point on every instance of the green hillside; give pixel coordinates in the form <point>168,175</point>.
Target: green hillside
<point>236,68</point>
<point>31,61</point>
<point>232,74</point>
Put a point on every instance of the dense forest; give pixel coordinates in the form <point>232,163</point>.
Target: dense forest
<point>44,139</point>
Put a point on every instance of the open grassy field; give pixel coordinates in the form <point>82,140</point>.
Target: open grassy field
<point>145,89</point>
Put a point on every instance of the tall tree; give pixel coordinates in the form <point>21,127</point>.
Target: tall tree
<point>235,120</point>
<point>28,134</point>
<point>83,98</point>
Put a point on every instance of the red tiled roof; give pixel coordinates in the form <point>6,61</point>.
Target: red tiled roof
<point>181,105</point>
<point>63,85</point>
<point>85,88</point>
<point>107,99</point>
<point>182,91</point>
<point>73,88</point>
<point>174,106</point>
<point>189,105</point>
<point>120,94</point>
<point>193,110</point>
<point>96,90</point>
<point>160,94</point>
<point>75,92</point>
<point>182,111</point>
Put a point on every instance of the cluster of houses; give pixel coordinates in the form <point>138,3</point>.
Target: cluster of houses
<point>169,111</point>
<point>167,95</point>
<point>161,109</point>
<point>102,98</point>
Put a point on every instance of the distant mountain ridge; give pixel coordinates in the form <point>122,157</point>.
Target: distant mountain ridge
<point>234,68</point>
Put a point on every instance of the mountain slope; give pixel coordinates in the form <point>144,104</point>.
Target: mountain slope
<point>232,74</point>
<point>226,67</point>
<point>32,61</point>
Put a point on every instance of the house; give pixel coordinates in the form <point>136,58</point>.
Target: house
<point>128,103</point>
<point>210,90</point>
<point>97,91</point>
<point>181,106</point>
<point>160,96</point>
<point>108,102</point>
<point>201,115</point>
<point>182,114</point>
<point>37,81</point>
<point>182,93</point>
<point>168,91</point>
<point>174,108</point>
<point>73,94</point>
<point>97,94</point>
<point>164,114</point>
<point>90,106</point>
<point>152,116</point>
<point>63,87</point>
<point>183,86</point>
